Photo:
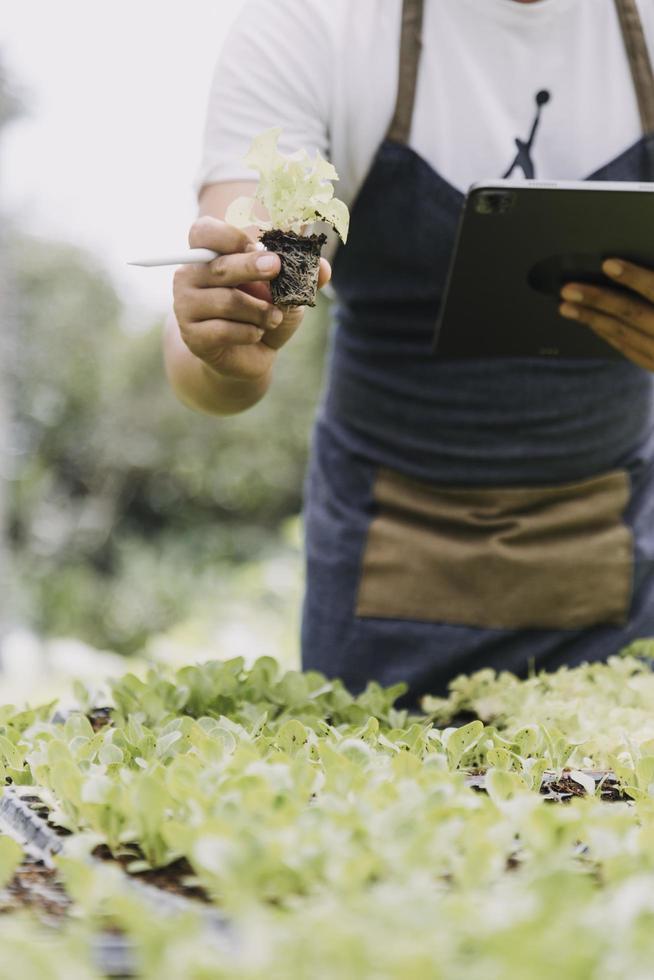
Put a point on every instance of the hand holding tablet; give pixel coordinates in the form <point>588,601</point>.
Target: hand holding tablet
<point>522,243</point>
<point>625,321</point>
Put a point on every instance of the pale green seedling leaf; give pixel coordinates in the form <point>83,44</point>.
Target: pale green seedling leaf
<point>263,154</point>
<point>584,780</point>
<point>533,772</point>
<point>11,855</point>
<point>645,772</point>
<point>110,754</point>
<point>527,740</point>
<point>12,755</point>
<point>502,786</point>
<point>500,758</point>
<point>294,189</point>
<point>292,737</point>
<point>324,169</point>
<point>97,789</point>
<point>240,214</point>
<point>166,742</point>
<point>337,214</point>
<point>461,740</point>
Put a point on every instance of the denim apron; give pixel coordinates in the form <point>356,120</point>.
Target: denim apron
<point>464,514</point>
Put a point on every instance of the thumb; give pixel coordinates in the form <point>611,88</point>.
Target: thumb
<point>293,316</point>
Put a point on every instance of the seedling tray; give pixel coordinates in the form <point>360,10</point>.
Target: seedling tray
<point>25,818</point>
<point>560,787</point>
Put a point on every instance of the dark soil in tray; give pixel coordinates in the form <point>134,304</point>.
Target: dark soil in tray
<point>566,788</point>
<point>37,888</point>
<point>563,789</point>
<point>99,717</point>
<point>168,879</point>
<point>42,810</point>
<point>460,719</point>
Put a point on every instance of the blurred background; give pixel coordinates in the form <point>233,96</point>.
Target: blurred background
<point>128,523</point>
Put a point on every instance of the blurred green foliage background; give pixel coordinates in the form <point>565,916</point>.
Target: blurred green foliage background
<point>126,513</point>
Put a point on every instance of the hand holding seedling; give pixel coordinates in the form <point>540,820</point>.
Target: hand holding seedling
<point>295,191</point>
<point>224,308</point>
<point>624,320</point>
<point>237,310</point>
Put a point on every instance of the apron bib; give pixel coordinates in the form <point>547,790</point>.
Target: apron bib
<point>462,514</point>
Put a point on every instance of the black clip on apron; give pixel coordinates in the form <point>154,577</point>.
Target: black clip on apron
<point>468,514</point>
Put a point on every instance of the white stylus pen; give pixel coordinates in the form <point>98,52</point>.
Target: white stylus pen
<point>191,255</point>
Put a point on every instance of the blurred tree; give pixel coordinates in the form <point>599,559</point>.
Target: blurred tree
<point>10,108</point>
<point>118,483</point>
<point>11,101</point>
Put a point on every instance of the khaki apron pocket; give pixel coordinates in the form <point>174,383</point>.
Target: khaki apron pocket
<point>546,557</point>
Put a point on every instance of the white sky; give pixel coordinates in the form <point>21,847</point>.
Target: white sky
<point>116,101</point>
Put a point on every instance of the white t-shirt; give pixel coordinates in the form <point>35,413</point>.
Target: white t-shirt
<point>326,72</point>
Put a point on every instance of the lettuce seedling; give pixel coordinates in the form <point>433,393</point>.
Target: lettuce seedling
<point>296,191</point>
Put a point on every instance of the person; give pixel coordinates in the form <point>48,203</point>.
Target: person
<point>459,514</point>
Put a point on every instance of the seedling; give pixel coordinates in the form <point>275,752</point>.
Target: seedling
<point>296,191</point>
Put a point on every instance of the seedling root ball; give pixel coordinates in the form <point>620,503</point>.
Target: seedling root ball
<point>297,282</point>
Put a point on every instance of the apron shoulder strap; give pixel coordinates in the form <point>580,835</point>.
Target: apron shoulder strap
<point>410,47</point>
<point>639,60</point>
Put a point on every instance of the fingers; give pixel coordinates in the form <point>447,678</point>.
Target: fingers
<point>230,270</point>
<point>624,320</point>
<point>627,307</point>
<point>635,345</point>
<point>208,232</point>
<point>201,292</point>
<point>235,268</point>
<point>216,302</point>
<point>211,337</point>
<point>292,320</point>
<point>250,266</point>
<point>627,341</point>
<point>229,304</point>
<point>245,363</point>
<point>240,261</point>
<point>324,273</point>
<point>224,308</point>
<point>635,277</point>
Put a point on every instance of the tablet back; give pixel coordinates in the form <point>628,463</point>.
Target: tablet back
<point>518,243</point>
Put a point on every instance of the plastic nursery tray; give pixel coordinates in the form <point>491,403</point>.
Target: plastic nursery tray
<point>37,888</point>
<point>21,818</point>
<point>98,716</point>
<point>559,787</point>
<point>24,816</point>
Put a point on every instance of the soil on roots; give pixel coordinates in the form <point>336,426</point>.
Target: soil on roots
<point>297,282</point>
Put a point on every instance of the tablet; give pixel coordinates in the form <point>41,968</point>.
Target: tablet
<point>518,243</point>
